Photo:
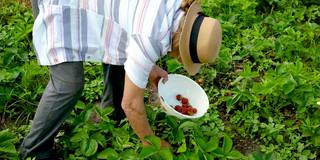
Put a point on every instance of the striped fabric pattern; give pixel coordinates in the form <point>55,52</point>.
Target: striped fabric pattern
<point>133,33</point>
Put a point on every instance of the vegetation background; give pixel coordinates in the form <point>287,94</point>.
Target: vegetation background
<point>264,91</point>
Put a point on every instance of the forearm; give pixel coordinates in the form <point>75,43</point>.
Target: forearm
<point>137,117</point>
<point>133,106</point>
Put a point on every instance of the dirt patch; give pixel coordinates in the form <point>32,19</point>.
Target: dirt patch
<point>26,3</point>
<point>245,145</point>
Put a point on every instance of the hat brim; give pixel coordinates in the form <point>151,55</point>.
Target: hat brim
<point>190,67</point>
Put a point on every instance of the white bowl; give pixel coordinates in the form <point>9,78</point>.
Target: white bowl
<point>179,84</point>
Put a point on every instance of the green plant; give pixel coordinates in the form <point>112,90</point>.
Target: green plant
<point>7,147</point>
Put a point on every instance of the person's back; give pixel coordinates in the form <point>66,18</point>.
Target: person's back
<point>106,31</point>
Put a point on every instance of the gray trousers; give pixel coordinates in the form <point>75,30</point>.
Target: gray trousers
<point>60,96</point>
<point>35,8</point>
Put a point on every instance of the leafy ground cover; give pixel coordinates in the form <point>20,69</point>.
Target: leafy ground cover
<point>264,91</point>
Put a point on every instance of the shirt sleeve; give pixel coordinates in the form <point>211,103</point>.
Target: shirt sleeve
<point>142,53</point>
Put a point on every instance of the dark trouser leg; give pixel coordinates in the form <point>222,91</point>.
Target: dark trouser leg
<point>114,86</point>
<point>106,99</point>
<point>60,96</point>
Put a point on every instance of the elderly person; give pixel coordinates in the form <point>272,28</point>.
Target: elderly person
<point>133,34</point>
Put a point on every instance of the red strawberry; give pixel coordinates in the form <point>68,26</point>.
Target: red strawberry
<point>178,97</point>
<point>194,110</point>
<point>185,105</point>
<point>190,113</point>
<point>184,101</point>
<point>178,108</point>
<point>184,110</point>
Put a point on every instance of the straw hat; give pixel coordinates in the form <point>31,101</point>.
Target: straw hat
<point>200,39</point>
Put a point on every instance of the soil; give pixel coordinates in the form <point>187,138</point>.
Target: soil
<point>26,3</point>
<point>243,144</point>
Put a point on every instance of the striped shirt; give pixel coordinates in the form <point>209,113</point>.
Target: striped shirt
<point>133,33</point>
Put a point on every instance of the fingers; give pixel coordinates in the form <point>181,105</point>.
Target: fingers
<point>161,74</point>
<point>156,74</point>
<point>165,76</point>
<point>154,87</point>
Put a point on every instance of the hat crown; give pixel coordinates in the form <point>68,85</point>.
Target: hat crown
<point>209,40</point>
<point>200,39</point>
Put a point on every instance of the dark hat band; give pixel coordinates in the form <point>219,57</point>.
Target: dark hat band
<point>194,37</point>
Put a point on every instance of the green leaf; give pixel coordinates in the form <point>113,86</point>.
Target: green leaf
<point>104,112</point>
<point>10,54</point>
<point>316,140</point>
<point>238,79</point>
<point>8,148</point>
<point>154,141</point>
<point>290,85</point>
<point>80,136</point>
<point>201,142</point>
<point>261,156</point>
<point>148,151</point>
<point>100,139</point>
<point>231,101</point>
<point>6,136</point>
<point>7,140</point>
<point>225,58</point>
<point>89,147</point>
<point>188,125</point>
<point>219,152</point>
<point>247,74</point>
<point>227,144</point>
<point>279,139</point>
<point>88,114</point>
<point>129,154</point>
<point>212,144</point>
<point>10,75</point>
<point>173,65</point>
<point>108,153</point>
<point>172,122</point>
<point>269,156</point>
<point>257,156</point>
<point>183,147</point>
<point>80,105</point>
<point>179,134</point>
<point>166,154</point>
<point>235,155</point>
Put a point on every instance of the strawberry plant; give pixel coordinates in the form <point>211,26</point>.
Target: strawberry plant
<point>7,147</point>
